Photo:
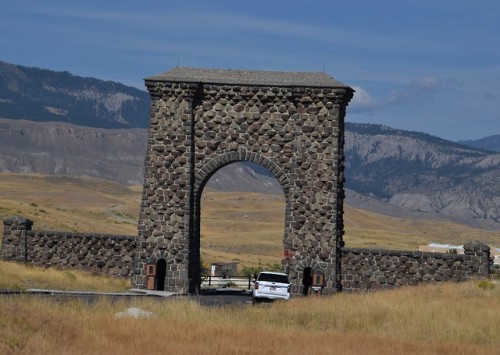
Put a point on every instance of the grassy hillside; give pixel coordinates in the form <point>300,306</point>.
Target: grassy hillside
<point>70,204</point>
<point>246,227</point>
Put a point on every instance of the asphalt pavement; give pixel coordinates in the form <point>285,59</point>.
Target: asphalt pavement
<point>207,297</point>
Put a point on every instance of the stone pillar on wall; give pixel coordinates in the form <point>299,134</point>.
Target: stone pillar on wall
<point>477,257</point>
<point>14,238</point>
<point>95,252</point>
<point>164,219</point>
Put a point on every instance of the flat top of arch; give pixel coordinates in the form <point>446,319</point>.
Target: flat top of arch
<point>247,77</point>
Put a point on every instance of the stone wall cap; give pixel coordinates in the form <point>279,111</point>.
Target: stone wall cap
<point>17,219</point>
<point>248,77</point>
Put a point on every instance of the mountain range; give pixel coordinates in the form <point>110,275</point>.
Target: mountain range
<point>423,173</point>
<point>57,123</point>
<point>43,95</point>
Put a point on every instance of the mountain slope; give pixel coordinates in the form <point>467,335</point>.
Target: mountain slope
<point>422,172</point>
<point>44,95</point>
<point>246,177</point>
<point>57,148</point>
<point>401,173</point>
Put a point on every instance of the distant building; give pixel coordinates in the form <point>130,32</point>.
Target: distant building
<point>495,253</point>
<point>442,248</point>
<point>224,269</point>
<point>459,249</point>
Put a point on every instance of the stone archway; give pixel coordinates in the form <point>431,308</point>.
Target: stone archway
<point>203,119</point>
<point>203,175</point>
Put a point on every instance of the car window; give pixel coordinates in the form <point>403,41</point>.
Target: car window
<point>273,278</point>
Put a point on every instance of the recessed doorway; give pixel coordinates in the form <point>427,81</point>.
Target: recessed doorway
<point>161,273</point>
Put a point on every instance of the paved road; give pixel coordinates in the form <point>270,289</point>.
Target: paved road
<point>224,298</point>
<point>212,297</point>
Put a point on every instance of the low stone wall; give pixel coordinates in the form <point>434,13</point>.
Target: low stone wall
<point>494,270</point>
<point>372,269</point>
<point>361,269</point>
<point>98,253</point>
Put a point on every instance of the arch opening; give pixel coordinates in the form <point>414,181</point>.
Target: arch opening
<point>161,273</point>
<point>241,221</point>
<point>307,281</point>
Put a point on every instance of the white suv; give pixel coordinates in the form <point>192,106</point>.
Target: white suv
<point>271,286</point>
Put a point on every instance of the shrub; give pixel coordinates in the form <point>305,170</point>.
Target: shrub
<point>486,285</point>
<point>71,276</point>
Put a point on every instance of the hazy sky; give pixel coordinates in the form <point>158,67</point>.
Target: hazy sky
<point>424,65</point>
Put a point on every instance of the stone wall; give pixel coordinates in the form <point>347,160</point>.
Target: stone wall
<point>361,269</point>
<point>494,270</point>
<point>98,253</point>
<point>372,269</point>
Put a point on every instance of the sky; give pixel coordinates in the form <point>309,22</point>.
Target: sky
<point>430,66</point>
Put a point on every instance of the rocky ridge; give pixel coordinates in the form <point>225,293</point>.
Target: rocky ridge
<point>45,95</point>
<point>423,173</point>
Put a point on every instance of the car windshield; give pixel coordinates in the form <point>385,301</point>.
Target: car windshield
<point>273,278</point>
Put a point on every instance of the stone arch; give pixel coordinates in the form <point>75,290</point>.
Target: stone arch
<point>157,255</point>
<point>313,264</point>
<point>208,169</point>
<point>203,175</point>
<point>203,119</point>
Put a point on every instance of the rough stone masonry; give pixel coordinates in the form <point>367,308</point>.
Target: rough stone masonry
<point>203,119</point>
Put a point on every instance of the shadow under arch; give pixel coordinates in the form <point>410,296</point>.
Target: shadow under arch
<point>202,176</point>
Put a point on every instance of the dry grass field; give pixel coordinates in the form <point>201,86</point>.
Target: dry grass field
<point>433,319</point>
<point>70,204</point>
<point>14,276</point>
<point>245,227</point>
